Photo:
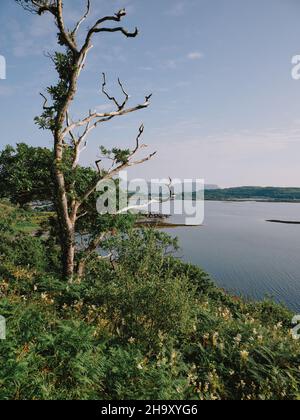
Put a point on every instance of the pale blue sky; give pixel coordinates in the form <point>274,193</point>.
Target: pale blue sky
<point>225,107</point>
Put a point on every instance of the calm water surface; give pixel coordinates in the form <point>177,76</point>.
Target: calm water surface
<point>244,253</point>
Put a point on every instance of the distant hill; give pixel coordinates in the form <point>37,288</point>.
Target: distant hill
<point>274,194</point>
<point>211,187</point>
<point>155,189</point>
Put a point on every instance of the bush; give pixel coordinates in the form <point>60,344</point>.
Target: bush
<point>143,325</point>
<point>46,357</point>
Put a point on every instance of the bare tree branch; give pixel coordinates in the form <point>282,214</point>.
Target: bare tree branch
<point>90,249</point>
<point>124,31</point>
<point>103,117</point>
<point>148,203</point>
<point>83,18</point>
<point>96,29</point>
<point>45,106</point>
<point>78,142</point>
<point>112,98</point>
<point>72,135</point>
<point>39,7</point>
<point>114,171</point>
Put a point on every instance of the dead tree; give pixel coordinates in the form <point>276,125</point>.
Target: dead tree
<point>56,117</point>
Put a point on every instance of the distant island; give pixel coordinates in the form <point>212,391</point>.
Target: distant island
<point>211,187</point>
<point>284,222</point>
<point>268,194</point>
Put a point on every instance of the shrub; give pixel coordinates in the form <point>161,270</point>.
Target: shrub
<point>141,326</point>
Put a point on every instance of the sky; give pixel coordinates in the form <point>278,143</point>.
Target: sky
<point>225,107</point>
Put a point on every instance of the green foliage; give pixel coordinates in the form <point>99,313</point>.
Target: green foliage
<point>254,193</point>
<point>25,251</point>
<point>26,176</point>
<point>19,247</point>
<point>46,357</point>
<point>58,93</point>
<point>142,325</point>
<point>162,378</point>
<point>116,155</point>
<point>25,173</point>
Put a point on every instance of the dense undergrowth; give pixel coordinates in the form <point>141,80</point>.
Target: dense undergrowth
<point>144,327</point>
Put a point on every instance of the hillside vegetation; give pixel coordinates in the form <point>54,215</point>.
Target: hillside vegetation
<point>178,335</point>
<point>251,193</point>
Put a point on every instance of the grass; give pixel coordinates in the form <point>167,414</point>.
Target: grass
<point>27,222</point>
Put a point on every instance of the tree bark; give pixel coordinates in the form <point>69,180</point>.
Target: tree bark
<point>81,269</point>
<point>66,216</point>
<point>66,224</point>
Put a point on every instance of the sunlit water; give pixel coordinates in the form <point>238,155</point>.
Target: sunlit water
<point>244,253</point>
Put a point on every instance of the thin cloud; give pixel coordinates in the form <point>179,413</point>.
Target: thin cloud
<point>7,91</point>
<point>145,68</point>
<point>172,64</point>
<point>177,10</point>
<point>195,55</point>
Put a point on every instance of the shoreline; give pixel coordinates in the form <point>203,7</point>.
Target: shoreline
<point>249,200</point>
<point>284,222</point>
<point>165,225</point>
